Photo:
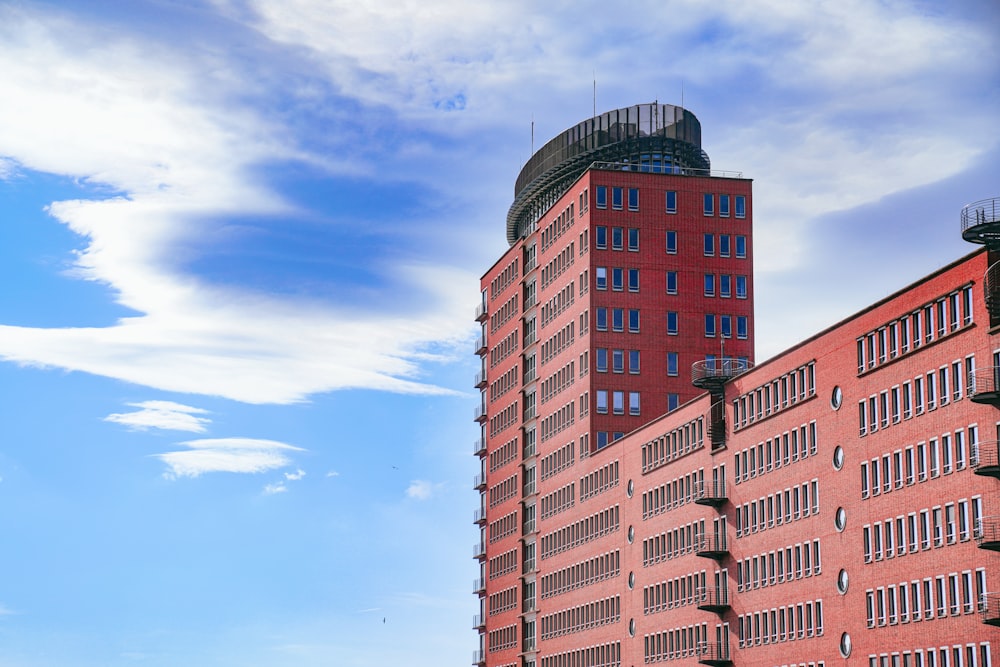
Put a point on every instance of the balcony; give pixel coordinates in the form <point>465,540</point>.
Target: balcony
<point>711,493</point>
<point>479,481</point>
<point>479,515</point>
<point>989,609</point>
<point>713,599</point>
<point>528,605</point>
<point>480,347</point>
<point>529,566</point>
<point>478,621</point>
<point>711,545</point>
<point>528,489</point>
<point>984,386</point>
<point>479,413</point>
<point>991,290</point>
<point>479,657</point>
<point>479,550</point>
<point>481,312</point>
<point>529,527</point>
<point>712,374</point>
<point>981,222</point>
<point>986,458</point>
<point>478,447</point>
<point>478,586</point>
<point>987,533</point>
<point>714,653</point>
<point>529,645</point>
<point>529,450</point>
<point>480,379</point>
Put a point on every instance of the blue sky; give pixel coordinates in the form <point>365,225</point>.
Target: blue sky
<point>240,244</point>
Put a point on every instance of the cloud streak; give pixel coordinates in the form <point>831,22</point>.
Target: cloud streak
<point>238,455</point>
<point>163,415</point>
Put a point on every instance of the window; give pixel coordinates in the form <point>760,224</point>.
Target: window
<point>741,326</point>
<point>671,282</point>
<point>618,402</point>
<point>672,363</point>
<point>617,238</point>
<point>671,201</point>
<point>672,323</point>
<point>601,277</point>
<point>709,204</point>
<point>601,237</point>
<point>617,198</point>
<point>671,243</point>
<point>601,316</point>
<point>710,326</point>
<point>723,206</point>
<point>726,325</point>
<point>709,245</point>
<point>601,360</point>
<point>673,400</point>
<point>741,245</point>
<point>618,361</point>
<point>617,319</point>
<point>602,401</point>
<point>709,284</point>
<point>633,280</point>
<point>633,199</point>
<point>633,320</point>
<point>725,286</point>
<point>601,194</point>
<point>633,402</point>
<point>617,279</point>
<point>741,206</point>
<point>633,361</point>
<point>724,240</point>
<point>741,287</point>
<point>633,239</point>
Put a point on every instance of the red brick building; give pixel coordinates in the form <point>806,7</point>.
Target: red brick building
<point>649,496</point>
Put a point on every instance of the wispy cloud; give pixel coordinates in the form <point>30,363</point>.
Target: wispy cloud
<point>164,415</point>
<point>276,487</point>
<point>420,489</point>
<point>242,455</point>
<point>333,473</point>
<point>295,476</point>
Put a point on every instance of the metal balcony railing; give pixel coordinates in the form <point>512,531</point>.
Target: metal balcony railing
<point>985,458</point>
<point>989,608</point>
<point>714,653</point>
<point>529,527</point>
<point>478,447</point>
<point>480,379</point>
<point>478,585</point>
<point>479,481</point>
<point>529,489</point>
<point>479,515</point>
<point>712,493</point>
<point>712,374</point>
<point>529,644</point>
<point>478,621</point>
<point>987,533</point>
<point>981,222</point>
<point>712,598</point>
<point>991,290</point>
<point>711,545</point>
<point>479,413</point>
<point>480,345</point>
<point>478,657</point>
<point>529,566</point>
<point>984,385</point>
<point>479,550</point>
<point>480,312</point>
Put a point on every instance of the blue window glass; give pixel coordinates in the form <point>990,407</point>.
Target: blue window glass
<point>618,361</point>
<point>617,319</point>
<point>633,280</point>
<point>633,320</point>
<point>601,315</point>
<point>709,245</point>
<point>709,284</point>
<point>741,206</point>
<point>602,439</point>
<point>633,402</point>
<point>709,204</point>
<point>617,279</point>
<point>601,237</point>
<point>672,323</point>
<point>618,402</point>
<point>723,245</point>
<point>633,239</point>
<point>601,277</point>
<point>616,198</point>
<point>633,199</point>
<point>633,361</point>
<point>741,326</point>
<point>617,435</point>
<point>671,282</point>
<point>617,238</point>
<point>672,243</point>
<point>741,287</point>
<point>725,286</point>
<point>602,400</point>
<point>671,201</point>
<point>672,402</point>
<point>726,325</point>
<point>601,195</point>
<point>741,246</point>
<point>724,206</point>
<point>710,326</point>
<point>601,360</point>
<point>672,363</point>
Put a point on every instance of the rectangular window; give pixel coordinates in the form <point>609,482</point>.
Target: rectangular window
<point>602,401</point>
<point>618,361</point>
<point>617,279</point>
<point>671,282</point>
<point>633,280</point>
<point>723,206</point>
<point>673,400</point>
<point>601,360</point>
<point>633,402</point>
<point>724,245</point>
<point>633,361</point>
<point>726,325</point>
<point>672,363</point>
<point>618,402</point>
<point>601,277</point>
<point>617,238</point>
<point>709,204</point>
<point>633,199</point>
<point>672,323</point>
<point>671,243</point>
<point>741,326</point>
<point>709,284</point>
<point>633,320</point>
<point>709,245</point>
<point>671,201</point>
<point>710,326</point>
<point>601,237</point>
<point>725,286</point>
<point>617,319</point>
<point>601,317</point>
<point>741,206</point>
<point>617,198</point>
<point>633,239</point>
<point>741,287</point>
<point>741,247</point>
<point>601,196</point>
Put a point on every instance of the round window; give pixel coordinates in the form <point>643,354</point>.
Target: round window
<point>845,645</point>
<point>631,627</point>
<point>840,519</point>
<point>631,580</point>
<point>838,457</point>
<point>842,581</point>
<point>836,398</point>
<point>631,534</point>
<point>630,489</point>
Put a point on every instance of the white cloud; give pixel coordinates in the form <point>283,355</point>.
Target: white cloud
<point>165,415</point>
<point>295,476</point>
<point>333,473</point>
<point>420,489</point>
<point>243,455</point>
<point>277,487</point>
